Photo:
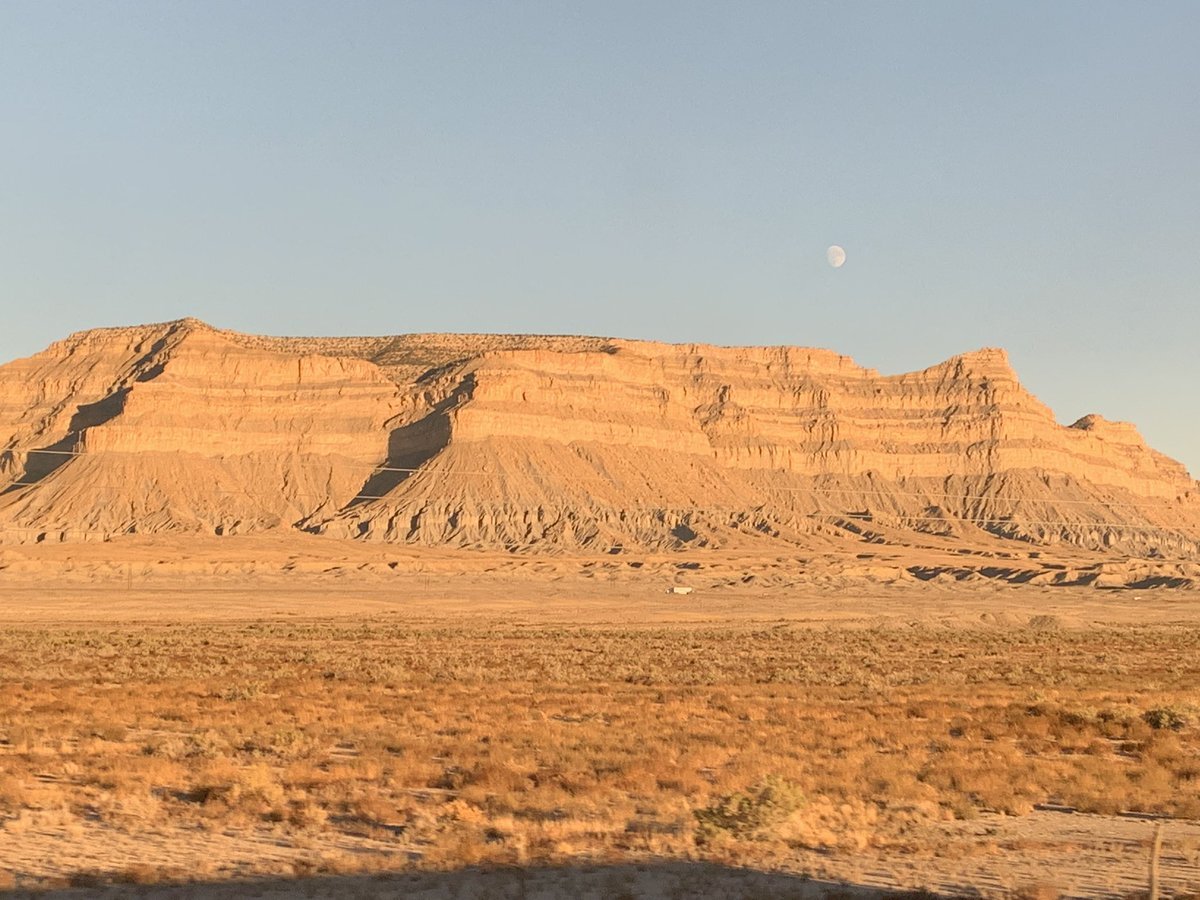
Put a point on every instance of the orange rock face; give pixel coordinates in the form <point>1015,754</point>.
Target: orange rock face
<point>530,442</point>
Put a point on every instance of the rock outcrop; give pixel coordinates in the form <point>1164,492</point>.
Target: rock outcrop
<point>552,443</point>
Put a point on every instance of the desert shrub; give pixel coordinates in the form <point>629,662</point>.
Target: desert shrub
<point>139,873</point>
<point>251,789</point>
<point>303,813</point>
<point>206,744</point>
<point>751,813</point>
<point>1038,891</point>
<point>12,794</point>
<point>250,690</point>
<point>1164,717</point>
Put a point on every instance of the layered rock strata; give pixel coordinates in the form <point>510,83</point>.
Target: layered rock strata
<point>553,443</point>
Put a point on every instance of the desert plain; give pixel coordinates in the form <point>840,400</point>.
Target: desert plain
<point>460,616</point>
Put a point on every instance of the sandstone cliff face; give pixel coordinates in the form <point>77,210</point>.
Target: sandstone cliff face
<point>552,443</point>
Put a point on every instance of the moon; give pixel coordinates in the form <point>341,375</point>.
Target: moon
<point>836,256</point>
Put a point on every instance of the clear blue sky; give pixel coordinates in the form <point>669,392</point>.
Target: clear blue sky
<point>1017,174</point>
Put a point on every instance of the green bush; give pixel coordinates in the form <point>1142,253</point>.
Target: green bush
<point>749,814</point>
<point>1164,717</point>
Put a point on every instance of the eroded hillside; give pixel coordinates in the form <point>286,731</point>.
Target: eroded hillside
<point>532,443</point>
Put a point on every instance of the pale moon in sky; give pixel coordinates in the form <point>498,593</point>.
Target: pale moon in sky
<point>836,256</point>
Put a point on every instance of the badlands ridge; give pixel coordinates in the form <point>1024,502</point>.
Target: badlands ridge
<point>572,445</point>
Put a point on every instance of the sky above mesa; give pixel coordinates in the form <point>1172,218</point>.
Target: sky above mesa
<point>1022,175</point>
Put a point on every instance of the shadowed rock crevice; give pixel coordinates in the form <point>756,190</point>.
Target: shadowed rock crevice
<point>42,462</point>
<point>409,448</point>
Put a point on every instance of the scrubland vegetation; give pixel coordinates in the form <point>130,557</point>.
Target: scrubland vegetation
<point>393,744</point>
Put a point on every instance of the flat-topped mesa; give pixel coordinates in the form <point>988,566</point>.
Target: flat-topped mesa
<point>552,441</point>
<point>807,412</point>
<point>405,358</point>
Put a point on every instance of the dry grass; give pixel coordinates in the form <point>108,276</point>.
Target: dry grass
<point>522,745</point>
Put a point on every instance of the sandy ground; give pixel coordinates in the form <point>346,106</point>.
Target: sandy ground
<point>1072,855</point>
<point>162,578</point>
<point>173,600</point>
<point>154,581</point>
